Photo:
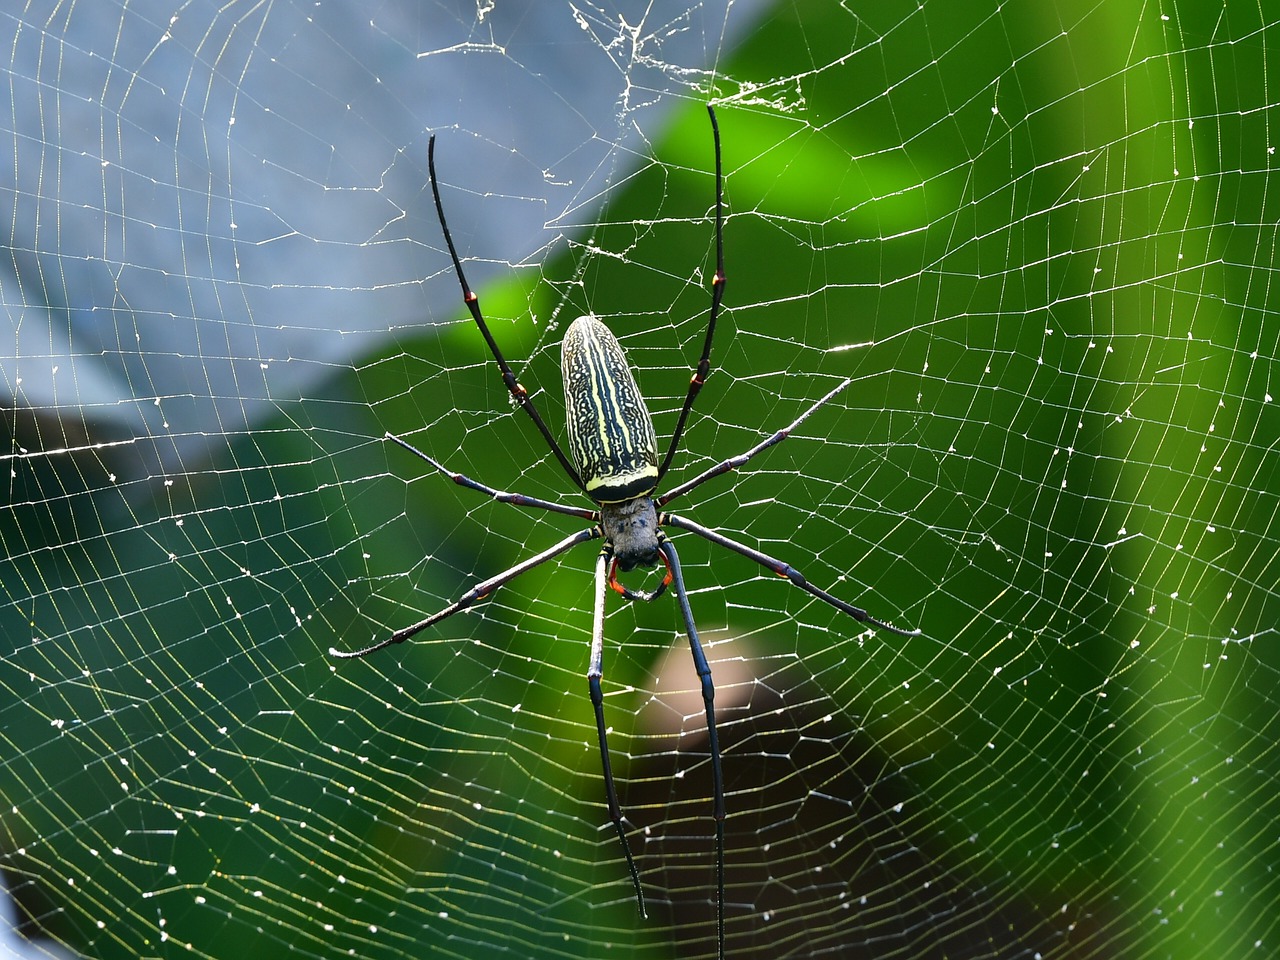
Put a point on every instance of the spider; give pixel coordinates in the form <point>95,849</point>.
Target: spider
<point>615,463</point>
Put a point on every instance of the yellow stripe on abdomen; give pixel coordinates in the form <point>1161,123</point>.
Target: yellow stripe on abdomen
<point>610,431</point>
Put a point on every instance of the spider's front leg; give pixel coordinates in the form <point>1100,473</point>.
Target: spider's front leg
<point>595,673</point>
<point>703,668</point>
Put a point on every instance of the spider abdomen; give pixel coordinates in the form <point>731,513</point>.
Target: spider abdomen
<point>610,431</point>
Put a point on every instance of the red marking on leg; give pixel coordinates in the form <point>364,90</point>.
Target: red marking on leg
<point>613,579</point>
<point>634,595</point>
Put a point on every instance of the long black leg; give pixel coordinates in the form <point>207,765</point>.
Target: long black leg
<point>478,592</point>
<point>708,698</point>
<point>473,304</point>
<point>782,570</point>
<point>518,499</point>
<point>734,462</point>
<point>594,674</point>
<point>717,295</point>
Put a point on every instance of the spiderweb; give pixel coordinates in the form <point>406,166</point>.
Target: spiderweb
<point>1039,239</point>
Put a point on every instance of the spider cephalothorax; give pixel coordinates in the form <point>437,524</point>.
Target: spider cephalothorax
<point>631,527</point>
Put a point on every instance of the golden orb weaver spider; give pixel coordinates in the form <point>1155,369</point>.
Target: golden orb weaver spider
<point>615,463</point>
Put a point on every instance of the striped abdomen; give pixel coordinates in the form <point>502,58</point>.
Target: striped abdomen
<point>610,430</point>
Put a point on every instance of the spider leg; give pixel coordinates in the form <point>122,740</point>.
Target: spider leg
<point>518,499</point>
<point>708,698</point>
<point>782,570</point>
<point>478,592</point>
<point>473,304</point>
<point>734,462</point>
<point>594,674</point>
<point>717,295</point>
